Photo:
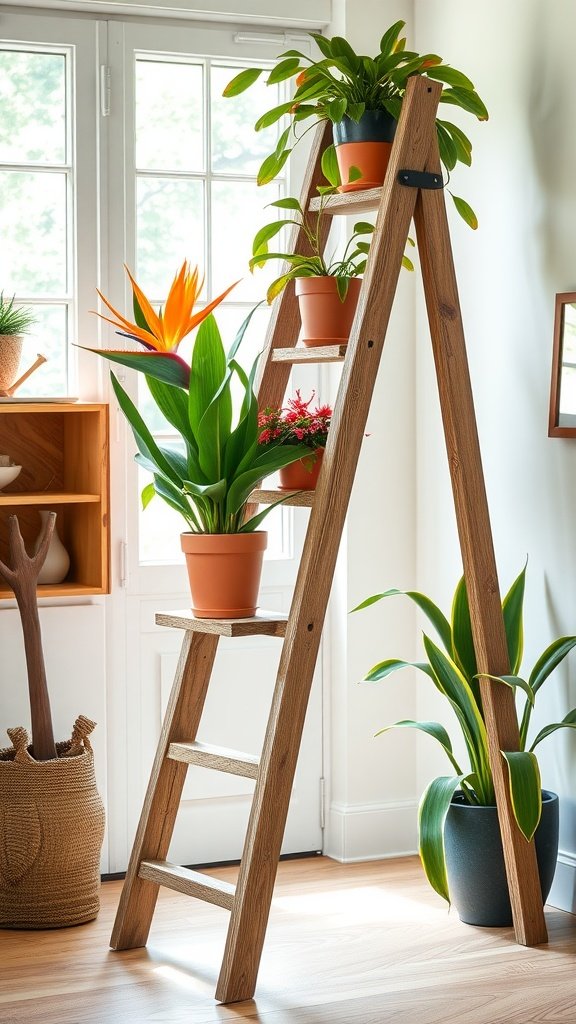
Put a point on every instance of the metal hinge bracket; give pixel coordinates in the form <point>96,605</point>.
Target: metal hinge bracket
<point>420,179</point>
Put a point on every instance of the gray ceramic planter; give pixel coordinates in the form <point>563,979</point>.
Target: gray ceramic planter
<point>475,861</point>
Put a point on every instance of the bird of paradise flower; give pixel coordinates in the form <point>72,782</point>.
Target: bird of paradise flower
<point>160,333</point>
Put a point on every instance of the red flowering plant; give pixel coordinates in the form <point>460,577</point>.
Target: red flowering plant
<point>296,424</point>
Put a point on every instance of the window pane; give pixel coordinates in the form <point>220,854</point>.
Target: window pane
<point>169,116</point>
<point>33,233</point>
<point>236,147</point>
<point>48,336</point>
<point>32,107</point>
<point>170,229</point>
<point>240,204</point>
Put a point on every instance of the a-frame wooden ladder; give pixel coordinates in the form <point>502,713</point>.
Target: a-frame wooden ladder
<point>402,198</point>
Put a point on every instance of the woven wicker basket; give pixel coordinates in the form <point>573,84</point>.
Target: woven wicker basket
<point>51,832</point>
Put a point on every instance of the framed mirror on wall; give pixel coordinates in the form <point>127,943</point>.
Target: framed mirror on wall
<point>562,419</point>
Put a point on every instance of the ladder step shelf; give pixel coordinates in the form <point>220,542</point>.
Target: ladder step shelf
<point>346,203</point>
<point>315,354</point>
<point>221,759</point>
<point>302,499</point>
<point>191,883</point>
<point>262,624</point>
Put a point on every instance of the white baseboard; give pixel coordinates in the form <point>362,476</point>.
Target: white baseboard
<point>357,832</point>
<point>563,892</point>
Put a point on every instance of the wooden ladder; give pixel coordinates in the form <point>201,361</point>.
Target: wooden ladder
<point>415,149</point>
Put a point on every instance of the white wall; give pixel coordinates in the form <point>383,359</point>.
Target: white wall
<point>372,800</point>
<point>521,57</point>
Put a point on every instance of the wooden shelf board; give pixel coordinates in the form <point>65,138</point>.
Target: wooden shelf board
<point>57,590</point>
<point>46,498</point>
<point>302,499</point>
<point>346,203</point>
<point>262,624</point>
<point>317,354</point>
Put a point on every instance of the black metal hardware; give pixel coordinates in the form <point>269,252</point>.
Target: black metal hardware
<point>420,179</point>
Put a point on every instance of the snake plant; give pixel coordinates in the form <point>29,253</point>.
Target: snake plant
<point>452,669</point>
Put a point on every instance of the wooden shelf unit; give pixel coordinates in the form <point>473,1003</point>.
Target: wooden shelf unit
<point>63,449</point>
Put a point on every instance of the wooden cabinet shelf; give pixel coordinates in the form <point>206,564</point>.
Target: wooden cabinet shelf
<point>63,451</point>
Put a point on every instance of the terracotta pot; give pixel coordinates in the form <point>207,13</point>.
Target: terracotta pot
<point>326,320</point>
<point>224,572</point>
<point>365,144</point>
<point>10,353</point>
<point>303,474</point>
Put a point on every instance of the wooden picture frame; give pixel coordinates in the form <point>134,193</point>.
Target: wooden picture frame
<point>561,423</point>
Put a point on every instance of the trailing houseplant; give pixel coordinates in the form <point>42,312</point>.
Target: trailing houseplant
<point>453,671</point>
<point>357,92</point>
<point>207,475</point>
<point>297,424</point>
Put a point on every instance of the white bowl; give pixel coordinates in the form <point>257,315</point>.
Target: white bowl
<point>8,474</point>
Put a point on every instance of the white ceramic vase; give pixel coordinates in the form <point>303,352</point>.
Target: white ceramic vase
<point>57,562</point>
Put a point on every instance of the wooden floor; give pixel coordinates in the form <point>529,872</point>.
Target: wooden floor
<point>347,944</point>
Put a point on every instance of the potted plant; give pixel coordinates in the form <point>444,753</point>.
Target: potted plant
<point>208,474</point>
<point>460,845</point>
<point>14,322</point>
<point>362,97</point>
<point>297,424</point>
<point>327,288</point>
<point>51,813</point>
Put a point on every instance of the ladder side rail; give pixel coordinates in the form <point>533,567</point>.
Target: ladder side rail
<point>284,326</point>
<point>154,832</point>
<point>255,885</point>
<point>475,534</point>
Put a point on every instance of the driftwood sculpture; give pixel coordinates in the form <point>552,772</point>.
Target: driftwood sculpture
<point>22,576</point>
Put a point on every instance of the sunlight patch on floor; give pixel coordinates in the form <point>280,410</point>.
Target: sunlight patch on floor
<point>355,905</point>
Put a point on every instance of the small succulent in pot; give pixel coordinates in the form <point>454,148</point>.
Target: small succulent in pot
<point>14,319</point>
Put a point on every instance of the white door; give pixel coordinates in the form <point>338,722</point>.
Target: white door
<point>182,163</point>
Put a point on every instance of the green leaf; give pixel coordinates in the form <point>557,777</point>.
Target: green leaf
<point>148,493</point>
<point>139,317</point>
<point>461,142</point>
<point>166,366</point>
<point>255,521</point>
<point>433,613</point>
<point>336,109</point>
<point>450,76</point>
<point>287,68</point>
<point>263,236</point>
<point>172,402</point>
<point>144,440</point>
<point>434,729</point>
<point>329,164</point>
<point>355,110</point>
<point>385,668</point>
<point>390,37</point>
<point>288,203</point>
<point>515,682</point>
<point>363,227</point>
<point>512,607</point>
<point>242,81</point>
<point>407,263</point>
<point>569,722</point>
<point>341,48</point>
<point>207,372</point>
<point>447,148</point>
<point>462,648</point>
<point>323,44</point>
<point>525,790</point>
<point>342,284</point>
<point>550,659</point>
<point>272,116</point>
<point>465,211</point>
<point>467,99</point>
<point>434,807</point>
<point>271,167</point>
<point>240,334</point>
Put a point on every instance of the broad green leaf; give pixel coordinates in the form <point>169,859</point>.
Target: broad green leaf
<point>217,491</point>
<point>433,613</point>
<point>341,48</point>
<point>461,142</point>
<point>465,211</point>
<point>166,366</point>
<point>525,790</point>
<point>514,682</point>
<point>262,237</point>
<point>271,167</point>
<point>324,45</point>
<point>271,116</point>
<point>329,164</point>
<point>342,287</point>
<point>139,317</point>
<point>450,76</point>
<point>467,99</point>
<point>172,496</point>
<point>448,151</point>
<point>144,439</point>
<point>279,284</point>
<point>241,332</point>
<point>385,668</point>
<point>434,807</point>
<point>512,607</point>
<point>390,37</point>
<point>336,109</point>
<point>569,722</point>
<point>242,81</point>
<point>254,522</point>
<point>288,203</point>
<point>207,371</point>
<point>287,68</point>
<point>550,659</point>
<point>363,227</point>
<point>462,649</point>
<point>172,402</point>
<point>434,729</point>
<point>148,493</point>
<point>407,263</point>
<point>355,110</point>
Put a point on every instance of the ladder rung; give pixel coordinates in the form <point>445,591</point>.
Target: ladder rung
<point>191,883</point>
<point>362,201</point>
<point>304,499</point>
<point>234,762</point>
<point>314,354</point>
<point>262,624</point>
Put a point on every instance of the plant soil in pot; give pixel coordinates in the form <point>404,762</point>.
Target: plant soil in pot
<point>302,475</point>
<point>224,573</point>
<point>326,319</point>
<point>475,860</point>
<point>366,145</point>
